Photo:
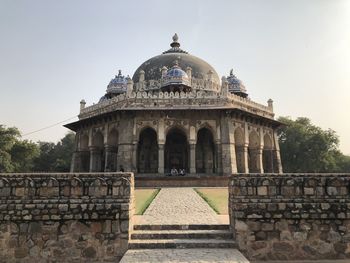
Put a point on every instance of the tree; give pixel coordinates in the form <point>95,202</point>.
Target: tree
<point>16,155</point>
<point>55,157</point>
<point>307,148</point>
<point>23,154</point>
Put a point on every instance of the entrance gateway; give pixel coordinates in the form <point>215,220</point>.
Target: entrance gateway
<point>175,112</point>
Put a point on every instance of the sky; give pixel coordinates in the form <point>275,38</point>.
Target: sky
<point>55,53</point>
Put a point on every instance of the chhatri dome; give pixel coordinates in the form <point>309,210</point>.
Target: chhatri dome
<point>175,112</point>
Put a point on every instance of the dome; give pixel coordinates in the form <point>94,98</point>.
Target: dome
<point>176,77</point>
<point>153,66</point>
<point>117,85</point>
<point>236,86</point>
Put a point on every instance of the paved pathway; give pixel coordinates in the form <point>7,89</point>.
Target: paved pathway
<point>175,206</point>
<point>184,255</point>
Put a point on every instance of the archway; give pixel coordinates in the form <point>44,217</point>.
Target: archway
<point>205,152</point>
<point>111,164</point>
<point>239,148</point>
<point>97,153</point>
<point>253,152</point>
<point>176,150</point>
<point>268,155</point>
<point>147,152</point>
<point>84,154</point>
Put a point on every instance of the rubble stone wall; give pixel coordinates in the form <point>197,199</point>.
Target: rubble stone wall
<point>291,216</point>
<point>65,217</point>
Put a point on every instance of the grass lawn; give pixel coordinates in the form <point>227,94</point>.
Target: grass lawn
<point>143,198</point>
<point>217,198</point>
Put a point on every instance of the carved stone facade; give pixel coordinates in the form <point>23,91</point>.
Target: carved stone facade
<point>179,117</point>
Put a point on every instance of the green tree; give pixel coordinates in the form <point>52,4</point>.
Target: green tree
<point>23,154</point>
<point>16,155</point>
<point>55,157</point>
<point>308,148</point>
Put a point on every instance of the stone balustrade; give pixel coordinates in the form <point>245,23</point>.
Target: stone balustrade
<point>175,100</point>
<point>291,216</point>
<point>65,217</point>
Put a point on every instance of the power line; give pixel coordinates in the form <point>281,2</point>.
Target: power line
<point>47,127</point>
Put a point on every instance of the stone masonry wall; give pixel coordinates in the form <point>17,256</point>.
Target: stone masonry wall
<point>65,217</point>
<point>291,216</point>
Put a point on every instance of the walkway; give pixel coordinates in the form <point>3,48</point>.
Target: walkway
<point>184,255</point>
<point>179,206</point>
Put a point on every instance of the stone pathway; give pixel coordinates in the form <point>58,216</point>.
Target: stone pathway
<point>184,255</point>
<point>179,206</point>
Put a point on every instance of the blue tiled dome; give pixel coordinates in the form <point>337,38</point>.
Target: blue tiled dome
<point>118,84</point>
<point>236,86</point>
<point>176,76</point>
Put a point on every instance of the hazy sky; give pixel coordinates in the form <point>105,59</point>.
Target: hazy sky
<point>55,53</point>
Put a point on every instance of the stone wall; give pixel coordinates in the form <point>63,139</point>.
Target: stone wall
<point>65,217</point>
<point>291,216</point>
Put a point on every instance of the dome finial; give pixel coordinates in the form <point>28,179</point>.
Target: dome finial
<point>231,72</point>
<point>175,42</point>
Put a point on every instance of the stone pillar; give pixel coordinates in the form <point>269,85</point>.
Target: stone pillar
<point>74,166</point>
<point>161,158</point>
<point>95,159</point>
<point>277,156</point>
<point>134,157</point>
<point>125,156</point>
<point>192,158</point>
<point>260,160</point>
<point>218,157</point>
<point>229,164</point>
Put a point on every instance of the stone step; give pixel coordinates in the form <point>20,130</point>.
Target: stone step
<point>182,227</point>
<point>182,234</point>
<point>180,243</point>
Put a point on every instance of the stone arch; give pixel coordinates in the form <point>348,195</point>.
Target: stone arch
<point>268,154</point>
<point>97,152</point>
<point>147,151</point>
<point>205,151</point>
<point>239,148</point>
<point>176,149</point>
<point>84,153</point>
<point>180,128</point>
<point>253,152</point>
<point>111,151</point>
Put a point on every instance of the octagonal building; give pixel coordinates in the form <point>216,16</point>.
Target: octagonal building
<point>175,112</point>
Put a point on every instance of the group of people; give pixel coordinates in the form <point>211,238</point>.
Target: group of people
<point>175,172</point>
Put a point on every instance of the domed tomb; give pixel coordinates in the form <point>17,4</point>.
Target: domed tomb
<point>195,68</point>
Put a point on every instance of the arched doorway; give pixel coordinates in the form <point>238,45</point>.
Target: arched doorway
<point>268,155</point>
<point>111,164</point>
<point>205,152</point>
<point>147,152</point>
<point>97,153</point>
<point>176,150</point>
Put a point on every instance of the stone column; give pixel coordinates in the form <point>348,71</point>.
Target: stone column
<point>192,157</point>
<point>161,158</point>
<point>229,164</point>
<point>260,166</point>
<point>125,156</point>
<point>277,156</point>
<point>218,157</point>
<point>134,157</point>
<point>95,159</point>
